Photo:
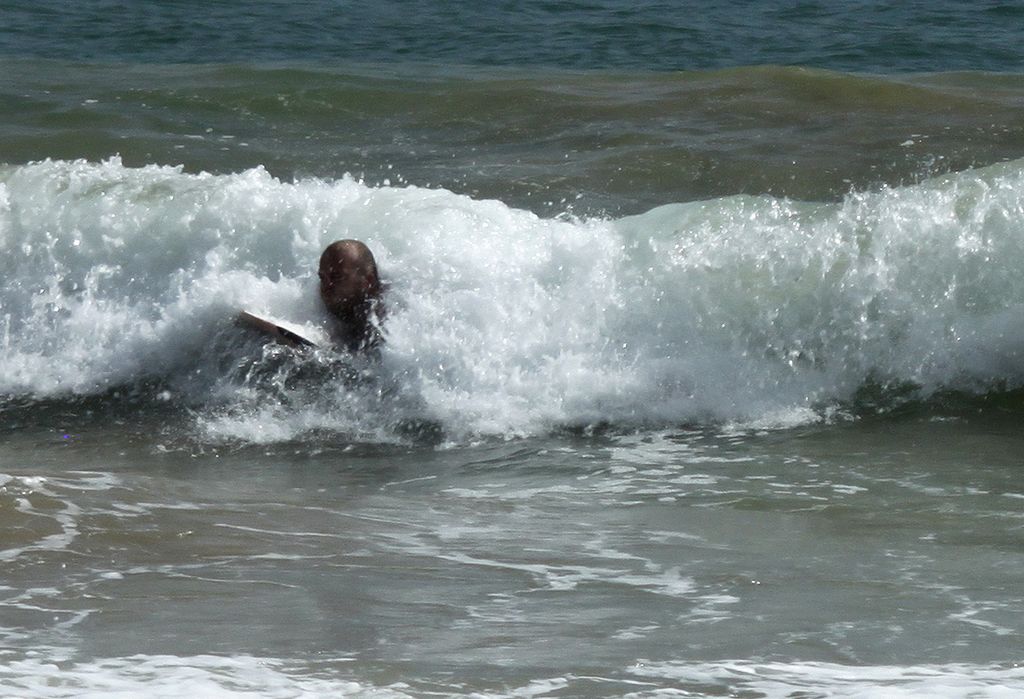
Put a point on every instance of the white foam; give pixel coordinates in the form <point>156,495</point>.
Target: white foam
<point>221,677</point>
<point>749,310</point>
<point>159,676</point>
<point>771,680</point>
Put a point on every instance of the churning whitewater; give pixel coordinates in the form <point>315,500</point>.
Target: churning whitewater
<point>742,308</point>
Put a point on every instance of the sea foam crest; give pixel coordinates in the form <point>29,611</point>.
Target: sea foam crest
<point>501,322</point>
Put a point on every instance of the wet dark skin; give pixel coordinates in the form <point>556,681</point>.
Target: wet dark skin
<point>351,291</point>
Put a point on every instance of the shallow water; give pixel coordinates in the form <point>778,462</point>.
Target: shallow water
<point>701,561</point>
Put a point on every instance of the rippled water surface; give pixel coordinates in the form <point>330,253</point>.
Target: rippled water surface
<point>702,372</point>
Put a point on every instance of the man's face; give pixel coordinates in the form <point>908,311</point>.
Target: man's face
<point>344,284</point>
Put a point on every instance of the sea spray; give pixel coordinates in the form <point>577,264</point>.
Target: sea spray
<point>502,322</point>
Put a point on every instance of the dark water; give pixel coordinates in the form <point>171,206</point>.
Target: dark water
<point>863,37</point>
<point>704,358</point>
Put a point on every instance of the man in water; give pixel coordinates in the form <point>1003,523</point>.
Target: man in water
<point>351,291</point>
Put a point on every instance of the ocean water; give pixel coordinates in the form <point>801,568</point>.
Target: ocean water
<point>704,361</point>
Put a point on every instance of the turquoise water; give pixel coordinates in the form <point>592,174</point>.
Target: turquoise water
<point>703,371</point>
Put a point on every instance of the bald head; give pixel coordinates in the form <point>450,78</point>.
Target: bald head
<point>348,278</point>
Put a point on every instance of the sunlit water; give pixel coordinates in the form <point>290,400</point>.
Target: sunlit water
<point>703,372</point>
